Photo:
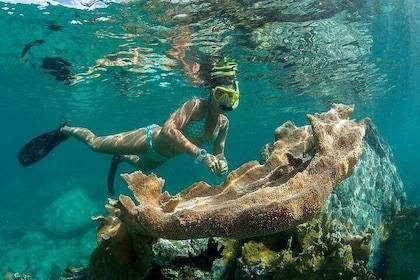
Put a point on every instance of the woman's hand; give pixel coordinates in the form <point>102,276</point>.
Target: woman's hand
<point>216,164</point>
<point>223,165</point>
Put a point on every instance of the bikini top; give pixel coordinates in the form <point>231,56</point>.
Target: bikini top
<point>195,130</point>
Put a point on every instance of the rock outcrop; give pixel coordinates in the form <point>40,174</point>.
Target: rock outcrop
<point>74,219</point>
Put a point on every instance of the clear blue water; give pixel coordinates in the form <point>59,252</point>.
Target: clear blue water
<point>365,53</point>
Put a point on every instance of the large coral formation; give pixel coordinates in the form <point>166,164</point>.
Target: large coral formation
<point>343,241</point>
<point>289,189</point>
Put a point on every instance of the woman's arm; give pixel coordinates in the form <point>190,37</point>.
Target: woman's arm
<point>219,144</point>
<point>171,130</point>
<point>221,167</point>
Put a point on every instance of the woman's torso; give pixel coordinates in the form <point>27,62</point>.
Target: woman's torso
<point>201,129</point>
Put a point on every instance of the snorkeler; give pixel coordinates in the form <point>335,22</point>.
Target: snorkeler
<point>197,122</point>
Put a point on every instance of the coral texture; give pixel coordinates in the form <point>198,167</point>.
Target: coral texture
<point>312,250</point>
<point>255,199</point>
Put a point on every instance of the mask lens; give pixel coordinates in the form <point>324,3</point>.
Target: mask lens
<point>218,93</point>
<point>230,96</point>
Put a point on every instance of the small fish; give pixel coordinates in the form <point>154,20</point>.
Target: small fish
<point>30,45</point>
<point>52,26</point>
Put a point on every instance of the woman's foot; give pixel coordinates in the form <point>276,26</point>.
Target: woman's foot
<point>116,159</point>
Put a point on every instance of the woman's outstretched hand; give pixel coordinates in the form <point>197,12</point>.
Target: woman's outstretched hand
<point>216,164</point>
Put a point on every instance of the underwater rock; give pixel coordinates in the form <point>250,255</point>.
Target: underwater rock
<point>204,260</point>
<point>186,259</point>
<point>17,276</point>
<point>312,250</point>
<point>74,273</point>
<point>199,253</point>
<point>372,195</point>
<point>255,199</point>
<point>401,250</point>
<point>69,214</point>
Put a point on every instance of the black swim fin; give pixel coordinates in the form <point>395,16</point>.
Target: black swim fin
<point>111,174</point>
<point>40,146</point>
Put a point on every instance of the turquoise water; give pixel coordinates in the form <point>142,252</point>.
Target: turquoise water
<point>123,76</point>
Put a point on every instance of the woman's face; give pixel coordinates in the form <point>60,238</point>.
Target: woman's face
<point>225,93</point>
<point>226,97</point>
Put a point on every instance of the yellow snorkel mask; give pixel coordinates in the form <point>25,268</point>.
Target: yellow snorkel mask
<point>223,75</point>
<point>228,96</point>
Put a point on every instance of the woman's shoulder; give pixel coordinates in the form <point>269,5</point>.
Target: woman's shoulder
<point>193,103</point>
<point>195,106</point>
<point>200,100</point>
<point>201,104</point>
<point>197,101</point>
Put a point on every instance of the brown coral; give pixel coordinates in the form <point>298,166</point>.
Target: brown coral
<point>121,254</point>
<point>255,199</point>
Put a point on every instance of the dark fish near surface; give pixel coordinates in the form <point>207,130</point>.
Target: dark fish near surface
<point>52,26</point>
<point>30,45</point>
<point>59,68</point>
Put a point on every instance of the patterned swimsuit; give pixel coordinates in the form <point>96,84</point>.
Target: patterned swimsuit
<point>195,130</point>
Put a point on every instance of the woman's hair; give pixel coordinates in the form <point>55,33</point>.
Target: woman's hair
<point>218,71</point>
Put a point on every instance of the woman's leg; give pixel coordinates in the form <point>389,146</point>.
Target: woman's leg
<point>125,143</point>
<point>142,163</point>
